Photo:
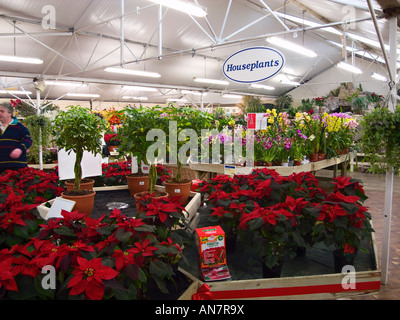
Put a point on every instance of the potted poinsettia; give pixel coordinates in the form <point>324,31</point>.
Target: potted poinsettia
<point>112,141</point>
<point>109,257</point>
<point>342,220</point>
<point>272,228</point>
<point>76,130</point>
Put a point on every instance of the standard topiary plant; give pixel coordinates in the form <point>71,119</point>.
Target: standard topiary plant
<point>78,129</point>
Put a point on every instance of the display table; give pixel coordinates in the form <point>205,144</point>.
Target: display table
<point>204,170</point>
<point>309,276</point>
<point>121,194</point>
<point>46,166</point>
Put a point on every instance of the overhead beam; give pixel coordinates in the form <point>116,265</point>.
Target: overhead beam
<point>36,34</point>
<point>275,16</point>
<point>382,44</point>
<point>249,39</point>
<point>46,46</point>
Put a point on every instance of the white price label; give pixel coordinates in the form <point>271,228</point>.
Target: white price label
<point>177,190</point>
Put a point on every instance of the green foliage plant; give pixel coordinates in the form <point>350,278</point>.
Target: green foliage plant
<point>40,128</point>
<point>380,139</point>
<point>137,123</point>
<point>77,129</point>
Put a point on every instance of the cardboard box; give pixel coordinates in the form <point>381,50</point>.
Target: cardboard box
<point>211,244</point>
<point>212,252</point>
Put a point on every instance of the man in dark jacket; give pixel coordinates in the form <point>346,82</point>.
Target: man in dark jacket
<point>15,140</point>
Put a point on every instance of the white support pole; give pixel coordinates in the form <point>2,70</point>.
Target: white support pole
<point>160,30</point>
<point>389,174</point>
<point>40,130</point>
<point>122,40</point>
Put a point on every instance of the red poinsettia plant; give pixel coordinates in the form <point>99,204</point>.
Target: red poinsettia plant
<point>110,257</point>
<point>111,139</point>
<point>21,191</point>
<point>284,213</point>
<point>342,220</point>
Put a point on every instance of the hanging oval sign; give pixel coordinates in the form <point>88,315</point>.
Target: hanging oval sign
<point>253,64</point>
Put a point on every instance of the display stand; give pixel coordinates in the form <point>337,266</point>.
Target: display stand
<point>203,171</point>
<point>308,277</point>
<point>191,214</point>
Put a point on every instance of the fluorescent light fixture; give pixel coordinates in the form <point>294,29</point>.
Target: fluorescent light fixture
<point>308,23</point>
<point>348,67</point>
<point>83,95</point>
<point>176,100</point>
<point>195,93</point>
<point>332,30</point>
<point>134,72</point>
<point>211,81</point>
<point>378,76</point>
<point>261,86</point>
<point>136,88</point>
<point>232,96</point>
<point>339,45</point>
<point>182,6</point>
<point>134,98</point>
<point>290,82</point>
<point>65,83</point>
<point>291,46</point>
<point>21,59</point>
<point>16,92</point>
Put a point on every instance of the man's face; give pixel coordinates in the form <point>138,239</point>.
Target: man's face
<point>5,116</point>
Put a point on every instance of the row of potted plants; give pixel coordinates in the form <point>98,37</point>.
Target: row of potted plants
<point>280,215</point>
<point>113,257</point>
<point>78,129</point>
<point>302,136</point>
<point>134,141</point>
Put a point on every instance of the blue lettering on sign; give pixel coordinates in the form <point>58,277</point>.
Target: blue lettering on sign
<point>252,66</point>
<point>265,68</point>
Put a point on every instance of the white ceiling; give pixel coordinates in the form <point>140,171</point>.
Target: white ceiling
<point>87,38</point>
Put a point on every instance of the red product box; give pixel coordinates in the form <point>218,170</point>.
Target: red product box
<point>211,244</point>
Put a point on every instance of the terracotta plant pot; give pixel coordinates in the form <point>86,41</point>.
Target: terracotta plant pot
<point>314,157</point>
<point>137,196</point>
<point>297,163</point>
<point>321,156</point>
<point>86,184</point>
<point>112,148</point>
<point>137,183</point>
<point>181,189</point>
<point>84,202</point>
